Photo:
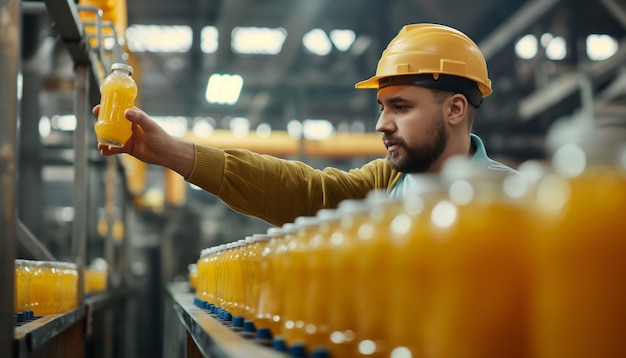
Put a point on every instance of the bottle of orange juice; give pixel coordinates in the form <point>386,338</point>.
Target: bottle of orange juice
<point>270,287</point>
<point>341,341</point>
<point>414,249</point>
<point>578,242</point>
<point>297,284</point>
<point>318,264</point>
<point>23,272</point>
<point>118,94</point>
<point>43,288</point>
<point>482,269</point>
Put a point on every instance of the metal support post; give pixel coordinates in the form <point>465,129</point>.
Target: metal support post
<point>10,31</point>
<point>79,229</point>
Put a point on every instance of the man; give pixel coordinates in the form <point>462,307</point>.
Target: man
<point>430,81</point>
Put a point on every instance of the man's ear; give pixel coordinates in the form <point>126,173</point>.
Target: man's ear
<point>457,109</point>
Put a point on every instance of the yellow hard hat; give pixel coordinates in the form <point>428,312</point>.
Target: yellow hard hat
<point>444,53</point>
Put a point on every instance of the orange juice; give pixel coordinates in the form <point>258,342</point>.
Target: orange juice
<point>270,286</point>
<point>413,252</point>
<point>342,313</point>
<point>23,272</point>
<point>297,283</point>
<point>238,278</point>
<point>118,94</point>
<point>281,279</point>
<point>220,274</point>
<point>318,264</point>
<point>372,275</point>
<point>202,266</point>
<point>43,289</point>
<point>480,296</point>
<point>255,266</point>
<point>579,243</point>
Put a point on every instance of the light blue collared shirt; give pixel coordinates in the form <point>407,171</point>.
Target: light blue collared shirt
<point>408,183</point>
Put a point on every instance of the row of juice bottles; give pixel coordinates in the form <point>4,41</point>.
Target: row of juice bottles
<point>475,265</point>
<point>50,287</point>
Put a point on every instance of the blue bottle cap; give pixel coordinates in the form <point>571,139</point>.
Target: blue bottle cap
<point>320,352</point>
<point>279,344</point>
<point>264,334</point>
<point>226,316</point>
<point>248,326</point>
<point>297,350</point>
<point>238,321</point>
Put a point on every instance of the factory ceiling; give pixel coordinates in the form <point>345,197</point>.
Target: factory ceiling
<point>529,95</point>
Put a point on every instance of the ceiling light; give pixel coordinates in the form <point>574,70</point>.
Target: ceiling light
<point>263,130</point>
<point>294,129</point>
<point>174,125</point>
<point>153,38</point>
<point>317,42</point>
<point>526,47</point>
<point>258,40</point>
<point>317,129</point>
<point>600,47</point>
<point>202,128</point>
<point>209,39</point>
<point>342,39</point>
<point>556,49</point>
<point>45,127</point>
<point>65,122</point>
<point>239,126</point>
<point>224,89</point>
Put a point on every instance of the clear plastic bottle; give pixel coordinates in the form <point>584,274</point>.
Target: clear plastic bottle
<point>578,241</point>
<point>341,310</point>
<point>297,282</point>
<point>119,91</point>
<point>270,285</point>
<point>481,293</point>
<point>319,294</point>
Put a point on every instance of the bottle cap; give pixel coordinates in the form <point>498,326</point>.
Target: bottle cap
<point>279,344</point>
<point>297,350</point>
<point>248,326</point>
<point>320,352</point>
<point>123,67</point>
<point>238,321</point>
<point>264,334</point>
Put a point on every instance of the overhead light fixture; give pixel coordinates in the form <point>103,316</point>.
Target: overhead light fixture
<point>239,126</point>
<point>317,42</point>
<point>600,47</point>
<point>203,127</point>
<point>264,130</point>
<point>156,38</point>
<point>294,129</point>
<point>174,125</point>
<point>45,127</point>
<point>526,47</point>
<point>342,39</point>
<point>224,89</point>
<point>556,49</point>
<point>258,40</point>
<point>209,39</point>
<point>317,129</point>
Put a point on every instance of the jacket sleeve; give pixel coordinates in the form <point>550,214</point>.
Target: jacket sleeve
<point>279,190</point>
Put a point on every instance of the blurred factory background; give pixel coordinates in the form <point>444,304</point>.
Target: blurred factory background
<point>557,68</point>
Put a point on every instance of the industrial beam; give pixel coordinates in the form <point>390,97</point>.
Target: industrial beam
<point>521,20</point>
<point>567,84</point>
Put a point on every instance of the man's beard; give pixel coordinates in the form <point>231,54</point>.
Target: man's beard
<point>420,158</point>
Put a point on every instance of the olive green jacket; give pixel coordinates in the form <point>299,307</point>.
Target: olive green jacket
<point>279,190</point>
